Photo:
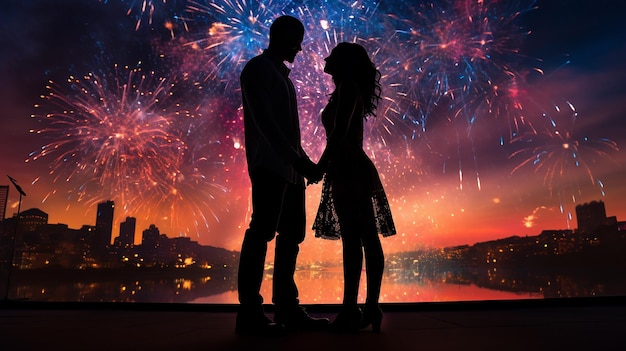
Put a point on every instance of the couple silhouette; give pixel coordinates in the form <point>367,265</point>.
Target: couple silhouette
<point>353,205</point>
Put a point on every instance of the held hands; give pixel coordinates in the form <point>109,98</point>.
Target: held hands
<point>319,174</point>
<point>312,172</point>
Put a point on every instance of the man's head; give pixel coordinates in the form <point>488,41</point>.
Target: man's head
<point>286,35</point>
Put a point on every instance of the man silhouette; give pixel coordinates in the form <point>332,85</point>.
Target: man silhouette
<point>277,165</point>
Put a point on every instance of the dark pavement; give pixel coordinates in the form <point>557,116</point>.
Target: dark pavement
<point>560,324</point>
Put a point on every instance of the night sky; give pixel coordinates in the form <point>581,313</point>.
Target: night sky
<point>474,140</point>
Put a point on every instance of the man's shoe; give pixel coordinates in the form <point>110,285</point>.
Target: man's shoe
<point>296,318</point>
<point>257,324</point>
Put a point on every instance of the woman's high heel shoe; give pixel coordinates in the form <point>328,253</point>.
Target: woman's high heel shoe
<point>347,321</point>
<point>372,315</point>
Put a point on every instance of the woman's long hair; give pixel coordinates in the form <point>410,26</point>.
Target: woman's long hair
<point>353,63</point>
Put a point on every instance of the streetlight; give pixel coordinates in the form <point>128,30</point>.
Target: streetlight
<point>17,219</point>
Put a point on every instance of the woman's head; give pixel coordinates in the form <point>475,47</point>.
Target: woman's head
<point>350,61</point>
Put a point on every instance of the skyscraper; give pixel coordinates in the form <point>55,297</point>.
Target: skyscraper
<point>150,238</point>
<point>590,216</point>
<point>4,197</point>
<point>127,232</point>
<point>104,224</point>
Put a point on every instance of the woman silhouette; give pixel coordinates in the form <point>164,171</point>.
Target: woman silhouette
<point>353,204</point>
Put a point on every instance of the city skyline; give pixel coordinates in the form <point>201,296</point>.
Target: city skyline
<point>550,265</point>
<point>457,182</point>
<point>590,216</point>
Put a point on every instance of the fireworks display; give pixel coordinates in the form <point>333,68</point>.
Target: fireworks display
<point>562,156</point>
<point>120,137</point>
<point>148,13</point>
<point>112,130</point>
<point>459,95</point>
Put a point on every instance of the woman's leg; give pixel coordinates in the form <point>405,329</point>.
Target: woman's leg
<point>352,265</point>
<point>374,266</point>
<point>347,204</point>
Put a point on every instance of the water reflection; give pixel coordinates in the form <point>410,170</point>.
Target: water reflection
<point>170,286</point>
<point>316,286</point>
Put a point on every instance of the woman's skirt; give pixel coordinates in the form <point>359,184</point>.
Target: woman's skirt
<point>352,189</point>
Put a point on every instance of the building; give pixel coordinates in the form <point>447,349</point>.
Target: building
<point>32,218</point>
<point>104,224</point>
<point>51,245</point>
<point>127,233</point>
<point>590,216</point>
<point>151,238</point>
<point>4,198</point>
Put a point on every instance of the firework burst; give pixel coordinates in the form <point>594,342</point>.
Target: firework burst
<point>326,26</point>
<point>563,155</point>
<point>121,138</point>
<point>230,32</point>
<point>188,190</point>
<point>112,131</point>
<point>147,13</point>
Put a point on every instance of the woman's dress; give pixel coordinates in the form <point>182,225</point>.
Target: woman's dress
<point>353,198</point>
